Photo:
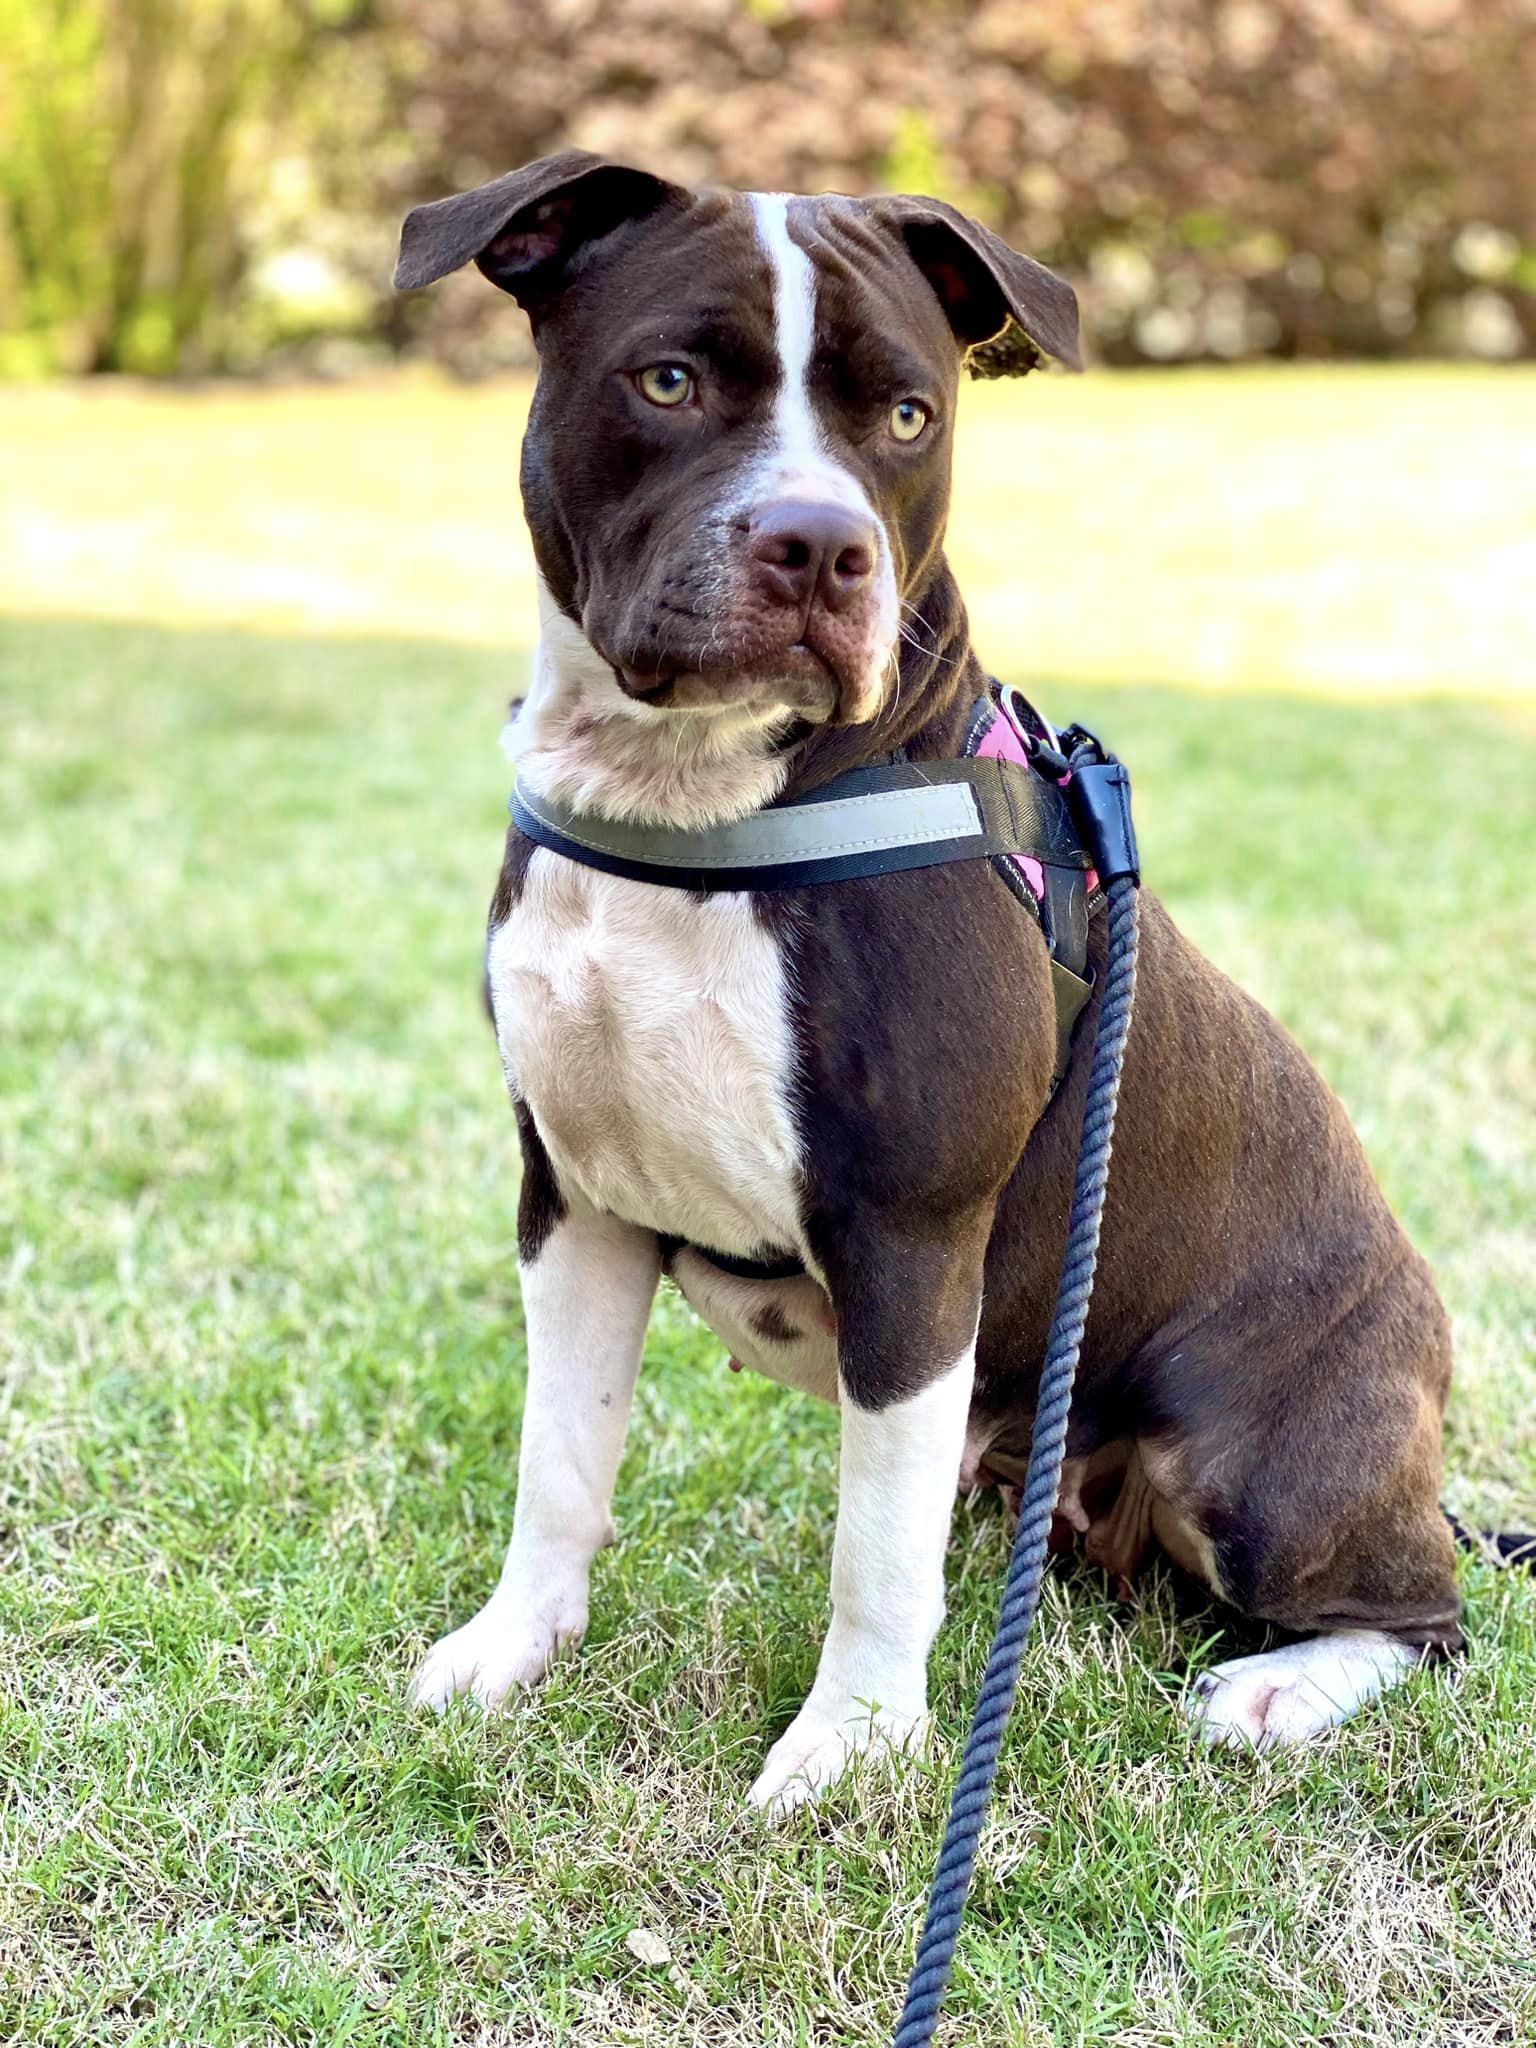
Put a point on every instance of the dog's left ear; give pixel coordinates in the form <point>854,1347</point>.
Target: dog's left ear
<point>523,230</point>
<point>1008,310</point>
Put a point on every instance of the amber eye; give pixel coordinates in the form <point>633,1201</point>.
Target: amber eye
<point>909,419</point>
<point>666,384</point>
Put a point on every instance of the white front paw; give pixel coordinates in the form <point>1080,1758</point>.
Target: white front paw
<point>818,1746</point>
<point>504,1647</point>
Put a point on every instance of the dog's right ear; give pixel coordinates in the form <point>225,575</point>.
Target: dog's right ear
<point>1007,310</point>
<point>522,229</point>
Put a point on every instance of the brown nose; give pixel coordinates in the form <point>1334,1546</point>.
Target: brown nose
<point>809,553</point>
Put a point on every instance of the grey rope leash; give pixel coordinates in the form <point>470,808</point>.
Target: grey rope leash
<point>1100,791</point>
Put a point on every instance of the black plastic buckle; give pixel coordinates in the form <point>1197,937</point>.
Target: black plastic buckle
<point>1099,796</point>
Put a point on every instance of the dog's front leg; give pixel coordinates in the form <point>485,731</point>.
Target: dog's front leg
<point>587,1292</point>
<point>907,1316</point>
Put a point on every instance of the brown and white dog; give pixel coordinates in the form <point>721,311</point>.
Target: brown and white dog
<point>736,474</point>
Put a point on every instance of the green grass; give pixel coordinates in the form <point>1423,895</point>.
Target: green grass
<point>262,1374</point>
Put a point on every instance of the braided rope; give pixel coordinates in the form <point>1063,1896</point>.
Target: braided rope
<point>1026,1565</point>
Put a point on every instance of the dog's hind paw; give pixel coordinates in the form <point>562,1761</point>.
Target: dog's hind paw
<point>493,1655</point>
<point>816,1749</point>
<point>1291,1694</point>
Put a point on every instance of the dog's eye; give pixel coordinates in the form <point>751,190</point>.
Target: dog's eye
<point>666,384</point>
<point>909,419</point>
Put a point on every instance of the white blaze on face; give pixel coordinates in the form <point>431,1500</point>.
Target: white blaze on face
<point>798,463</point>
<point>797,448</point>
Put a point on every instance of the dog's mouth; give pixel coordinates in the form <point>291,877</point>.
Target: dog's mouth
<point>795,679</point>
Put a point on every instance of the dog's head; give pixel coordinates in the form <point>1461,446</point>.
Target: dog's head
<point>737,466</point>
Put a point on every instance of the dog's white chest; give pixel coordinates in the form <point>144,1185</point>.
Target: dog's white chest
<point>648,1032</point>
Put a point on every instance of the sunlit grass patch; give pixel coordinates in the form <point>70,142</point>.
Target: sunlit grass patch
<point>1357,529</point>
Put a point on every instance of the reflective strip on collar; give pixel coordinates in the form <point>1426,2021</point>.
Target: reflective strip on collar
<point>870,823</point>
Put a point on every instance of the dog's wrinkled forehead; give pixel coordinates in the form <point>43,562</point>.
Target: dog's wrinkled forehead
<point>855,326</point>
<point>690,273</point>
<point>848,286</point>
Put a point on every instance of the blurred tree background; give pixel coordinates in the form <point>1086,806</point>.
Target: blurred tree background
<point>214,185</point>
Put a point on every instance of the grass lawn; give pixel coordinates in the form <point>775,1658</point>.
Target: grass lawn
<point>261,1358</point>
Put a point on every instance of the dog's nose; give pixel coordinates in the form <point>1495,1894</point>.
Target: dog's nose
<point>813,553</point>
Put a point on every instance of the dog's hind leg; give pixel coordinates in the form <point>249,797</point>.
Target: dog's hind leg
<point>1315,1502</point>
<point>587,1292</point>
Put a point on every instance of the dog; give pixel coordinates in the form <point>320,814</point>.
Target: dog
<point>831,1113</point>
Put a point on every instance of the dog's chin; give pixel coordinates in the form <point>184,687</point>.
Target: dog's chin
<point>794,682</point>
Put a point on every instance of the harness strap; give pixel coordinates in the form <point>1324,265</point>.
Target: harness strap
<point>870,821</point>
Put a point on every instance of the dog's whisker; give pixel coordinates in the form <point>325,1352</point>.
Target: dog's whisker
<point>928,653</point>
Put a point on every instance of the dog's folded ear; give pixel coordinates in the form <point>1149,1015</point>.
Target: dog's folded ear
<point>522,229</point>
<point>1009,311</point>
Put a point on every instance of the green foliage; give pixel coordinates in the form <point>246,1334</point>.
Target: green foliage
<point>1269,177</point>
<point>914,162</point>
<point>199,183</point>
<point>131,140</point>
